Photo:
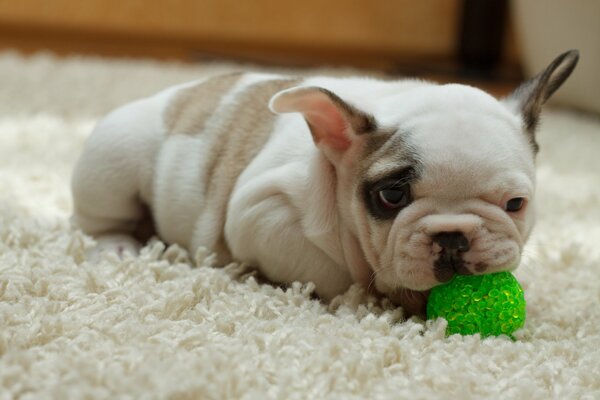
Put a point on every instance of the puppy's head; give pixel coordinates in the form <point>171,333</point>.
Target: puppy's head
<point>433,180</point>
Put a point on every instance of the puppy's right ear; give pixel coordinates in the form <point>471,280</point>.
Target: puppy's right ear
<point>334,124</point>
<point>527,99</point>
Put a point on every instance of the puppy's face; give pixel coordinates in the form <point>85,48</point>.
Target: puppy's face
<point>433,180</point>
<point>444,187</point>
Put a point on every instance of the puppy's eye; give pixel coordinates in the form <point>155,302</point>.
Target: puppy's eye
<point>395,198</point>
<point>514,205</point>
<point>386,197</point>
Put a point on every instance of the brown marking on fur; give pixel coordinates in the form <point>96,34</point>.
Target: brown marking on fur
<point>386,147</point>
<point>376,141</point>
<point>191,107</point>
<point>237,142</point>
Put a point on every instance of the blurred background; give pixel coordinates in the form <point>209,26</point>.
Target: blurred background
<point>492,44</point>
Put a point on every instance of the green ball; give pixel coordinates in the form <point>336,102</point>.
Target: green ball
<point>492,304</point>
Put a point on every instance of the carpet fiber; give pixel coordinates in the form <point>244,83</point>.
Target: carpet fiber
<point>167,325</point>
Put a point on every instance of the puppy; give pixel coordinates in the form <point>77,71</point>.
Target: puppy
<point>397,185</point>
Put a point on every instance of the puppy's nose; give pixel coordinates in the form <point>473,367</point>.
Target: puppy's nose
<point>450,259</point>
<point>452,241</point>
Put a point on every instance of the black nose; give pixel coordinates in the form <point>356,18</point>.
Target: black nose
<point>453,241</point>
<point>450,259</point>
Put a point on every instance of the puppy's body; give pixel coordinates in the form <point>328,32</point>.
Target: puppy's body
<point>210,162</point>
<point>355,180</point>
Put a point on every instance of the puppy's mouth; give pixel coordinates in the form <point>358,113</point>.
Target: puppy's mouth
<point>448,263</point>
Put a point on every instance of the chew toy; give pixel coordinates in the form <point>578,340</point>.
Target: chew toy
<point>491,305</point>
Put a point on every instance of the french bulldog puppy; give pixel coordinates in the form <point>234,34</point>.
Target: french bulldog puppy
<point>395,185</point>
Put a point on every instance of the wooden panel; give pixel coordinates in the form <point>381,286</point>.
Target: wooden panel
<point>388,28</point>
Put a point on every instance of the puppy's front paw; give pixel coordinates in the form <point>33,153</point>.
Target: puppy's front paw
<point>117,243</point>
<point>413,302</point>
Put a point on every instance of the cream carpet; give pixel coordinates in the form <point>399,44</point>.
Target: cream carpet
<point>165,325</point>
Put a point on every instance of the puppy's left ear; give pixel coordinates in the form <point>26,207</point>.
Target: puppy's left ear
<point>334,124</point>
<point>527,99</point>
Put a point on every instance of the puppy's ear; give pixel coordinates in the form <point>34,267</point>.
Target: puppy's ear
<point>527,99</point>
<point>333,123</point>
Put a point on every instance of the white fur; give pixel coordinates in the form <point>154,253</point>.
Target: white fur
<point>297,216</point>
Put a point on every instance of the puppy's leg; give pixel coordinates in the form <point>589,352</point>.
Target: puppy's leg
<point>264,228</point>
<point>106,201</point>
<point>109,178</point>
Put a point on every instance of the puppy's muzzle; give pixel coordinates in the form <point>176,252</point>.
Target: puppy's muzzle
<point>450,261</point>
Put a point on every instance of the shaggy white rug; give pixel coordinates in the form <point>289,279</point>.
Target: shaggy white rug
<point>165,325</point>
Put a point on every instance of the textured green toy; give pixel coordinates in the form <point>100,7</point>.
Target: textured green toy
<point>491,304</point>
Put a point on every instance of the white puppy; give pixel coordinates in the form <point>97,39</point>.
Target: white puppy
<point>397,184</point>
